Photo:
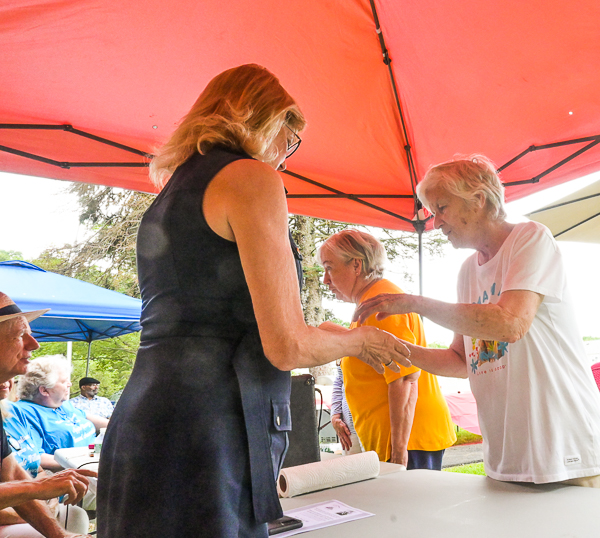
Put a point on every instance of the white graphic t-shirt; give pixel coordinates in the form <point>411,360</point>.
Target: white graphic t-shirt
<point>538,405</point>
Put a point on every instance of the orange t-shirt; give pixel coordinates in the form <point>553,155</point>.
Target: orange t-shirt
<point>367,391</point>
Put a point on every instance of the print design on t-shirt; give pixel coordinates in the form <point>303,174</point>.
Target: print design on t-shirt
<point>486,351</point>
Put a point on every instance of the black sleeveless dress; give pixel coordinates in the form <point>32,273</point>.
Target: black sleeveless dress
<point>198,436</point>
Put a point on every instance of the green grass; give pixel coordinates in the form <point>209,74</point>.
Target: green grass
<point>463,437</point>
<point>470,468</point>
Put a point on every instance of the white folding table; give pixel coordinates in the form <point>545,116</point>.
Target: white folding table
<point>77,458</point>
<point>429,504</point>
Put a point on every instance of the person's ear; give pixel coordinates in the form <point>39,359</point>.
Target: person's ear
<point>357,266</point>
<point>480,200</point>
<point>43,391</point>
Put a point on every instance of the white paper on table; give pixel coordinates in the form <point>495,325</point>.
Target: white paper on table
<point>330,473</point>
<point>321,515</point>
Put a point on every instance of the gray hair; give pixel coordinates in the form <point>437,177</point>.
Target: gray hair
<point>42,372</point>
<point>355,245</point>
<point>467,177</point>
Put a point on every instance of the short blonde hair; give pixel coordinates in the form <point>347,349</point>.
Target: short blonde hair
<point>42,372</point>
<point>243,108</point>
<point>467,177</point>
<point>356,245</point>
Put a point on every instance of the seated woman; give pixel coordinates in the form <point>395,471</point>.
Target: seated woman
<point>43,401</point>
<point>27,453</point>
<point>25,444</point>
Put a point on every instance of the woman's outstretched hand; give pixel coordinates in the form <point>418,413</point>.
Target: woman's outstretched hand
<point>381,348</point>
<point>385,304</point>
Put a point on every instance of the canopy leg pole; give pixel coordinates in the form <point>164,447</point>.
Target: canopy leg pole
<point>70,352</point>
<point>419,226</point>
<point>420,234</point>
<point>87,365</point>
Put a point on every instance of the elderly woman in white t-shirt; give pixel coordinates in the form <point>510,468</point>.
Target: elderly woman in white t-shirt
<point>515,333</point>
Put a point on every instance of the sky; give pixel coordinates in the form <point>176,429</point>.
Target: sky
<point>38,213</point>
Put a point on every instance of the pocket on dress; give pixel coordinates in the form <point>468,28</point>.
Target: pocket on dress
<point>281,416</point>
<point>281,421</point>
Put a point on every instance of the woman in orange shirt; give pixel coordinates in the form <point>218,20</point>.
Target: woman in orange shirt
<point>403,416</point>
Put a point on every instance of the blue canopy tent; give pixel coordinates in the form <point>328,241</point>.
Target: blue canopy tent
<point>80,311</point>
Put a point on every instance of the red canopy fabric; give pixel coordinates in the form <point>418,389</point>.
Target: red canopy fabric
<point>471,76</point>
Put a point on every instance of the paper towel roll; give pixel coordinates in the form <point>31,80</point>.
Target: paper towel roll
<point>327,474</point>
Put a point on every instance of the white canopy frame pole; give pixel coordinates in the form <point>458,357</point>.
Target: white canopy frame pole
<point>70,353</point>
<point>87,364</point>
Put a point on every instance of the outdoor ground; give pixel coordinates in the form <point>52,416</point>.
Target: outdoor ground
<point>466,456</point>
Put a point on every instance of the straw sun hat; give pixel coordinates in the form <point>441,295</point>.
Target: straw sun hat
<point>9,310</point>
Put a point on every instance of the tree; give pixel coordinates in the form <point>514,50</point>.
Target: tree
<point>7,255</point>
<point>107,257</point>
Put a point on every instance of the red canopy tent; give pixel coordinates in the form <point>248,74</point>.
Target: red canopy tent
<point>388,87</point>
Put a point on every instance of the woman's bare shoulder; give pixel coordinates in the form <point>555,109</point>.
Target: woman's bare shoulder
<point>243,193</point>
<point>249,176</point>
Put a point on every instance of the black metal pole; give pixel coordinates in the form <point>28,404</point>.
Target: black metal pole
<point>419,226</point>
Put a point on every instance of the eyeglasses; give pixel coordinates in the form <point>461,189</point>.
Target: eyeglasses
<point>15,445</point>
<point>294,144</point>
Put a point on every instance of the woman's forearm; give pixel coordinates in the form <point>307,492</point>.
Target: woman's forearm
<point>97,421</point>
<point>444,362</point>
<point>337,395</point>
<point>310,346</point>
<point>507,321</point>
<point>402,397</point>
<point>484,321</point>
<point>48,462</point>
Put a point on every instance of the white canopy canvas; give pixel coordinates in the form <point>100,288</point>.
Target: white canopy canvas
<point>575,217</point>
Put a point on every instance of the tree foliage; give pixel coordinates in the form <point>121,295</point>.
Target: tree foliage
<point>107,259</point>
<point>7,255</point>
<point>107,256</point>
